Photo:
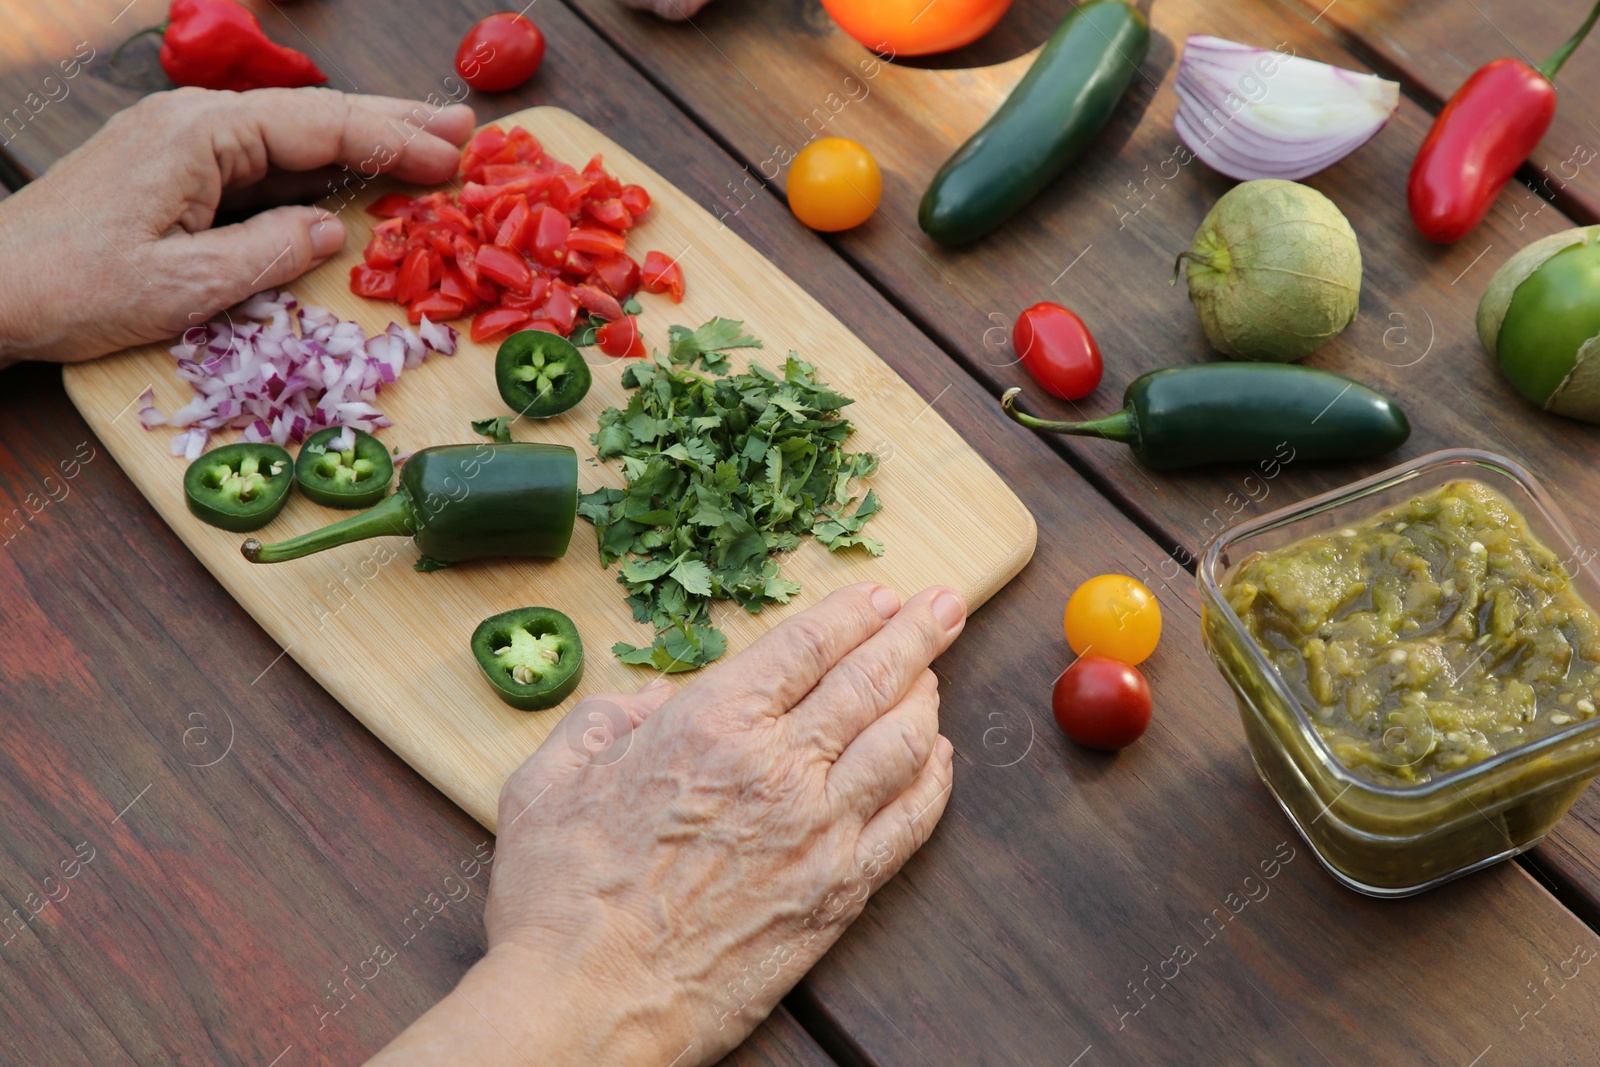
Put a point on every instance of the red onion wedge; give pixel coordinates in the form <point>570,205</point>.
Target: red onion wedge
<point>281,372</point>
<point>1256,113</point>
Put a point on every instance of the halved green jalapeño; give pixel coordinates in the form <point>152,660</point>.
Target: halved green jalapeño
<point>540,374</point>
<point>354,477</point>
<point>239,487</point>
<point>532,656</point>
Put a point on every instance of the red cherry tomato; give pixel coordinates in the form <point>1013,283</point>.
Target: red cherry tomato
<point>1058,350</point>
<point>662,275</point>
<point>620,338</point>
<point>500,53</point>
<point>1102,703</point>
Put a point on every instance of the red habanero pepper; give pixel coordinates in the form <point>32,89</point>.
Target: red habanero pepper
<point>218,44</point>
<point>1485,132</point>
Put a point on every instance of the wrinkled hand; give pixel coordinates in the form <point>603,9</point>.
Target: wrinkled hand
<point>670,863</point>
<point>112,247</point>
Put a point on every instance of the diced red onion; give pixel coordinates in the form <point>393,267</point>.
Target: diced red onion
<point>439,336</point>
<point>149,417</point>
<point>249,369</point>
<point>1256,113</point>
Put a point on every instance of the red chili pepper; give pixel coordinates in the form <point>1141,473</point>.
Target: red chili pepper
<point>1485,132</point>
<point>217,44</point>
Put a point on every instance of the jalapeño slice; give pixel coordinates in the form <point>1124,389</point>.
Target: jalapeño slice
<point>540,374</point>
<point>532,656</point>
<point>239,487</point>
<point>355,477</point>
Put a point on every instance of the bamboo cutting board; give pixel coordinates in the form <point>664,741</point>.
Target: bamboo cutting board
<point>391,643</point>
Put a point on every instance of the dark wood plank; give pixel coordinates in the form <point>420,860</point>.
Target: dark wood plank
<point>1058,876</point>
<point>1101,240</point>
<point>1434,47</point>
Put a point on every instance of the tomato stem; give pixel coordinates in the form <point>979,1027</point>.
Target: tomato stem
<point>1550,66</point>
<point>1118,427</point>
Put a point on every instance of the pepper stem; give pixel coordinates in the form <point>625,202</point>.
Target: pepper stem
<point>1119,427</point>
<point>1549,67</point>
<point>393,517</point>
<point>147,30</point>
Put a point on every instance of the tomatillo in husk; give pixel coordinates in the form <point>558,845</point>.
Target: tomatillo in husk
<point>1540,320</point>
<point>532,656</point>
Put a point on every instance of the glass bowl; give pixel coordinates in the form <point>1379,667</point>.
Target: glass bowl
<point>1393,841</point>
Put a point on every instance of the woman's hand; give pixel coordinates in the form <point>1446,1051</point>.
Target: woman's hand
<point>670,863</point>
<point>111,246</point>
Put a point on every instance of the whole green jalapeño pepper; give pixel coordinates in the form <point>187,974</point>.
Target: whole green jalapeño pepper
<point>1049,119</point>
<point>461,502</point>
<point>239,487</point>
<point>540,374</point>
<point>355,477</point>
<point>1240,413</point>
<point>532,656</point>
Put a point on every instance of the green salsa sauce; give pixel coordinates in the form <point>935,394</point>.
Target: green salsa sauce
<point>1433,636</point>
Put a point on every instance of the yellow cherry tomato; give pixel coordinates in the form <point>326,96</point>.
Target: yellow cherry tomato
<point>834,184</point>
<point>1113,615</point>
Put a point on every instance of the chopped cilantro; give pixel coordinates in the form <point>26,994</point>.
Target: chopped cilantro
<point>724,473</point>
<point>496,429</point>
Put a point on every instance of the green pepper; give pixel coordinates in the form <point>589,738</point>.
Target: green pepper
<point>540,374</point>
<point>1240,413</point>
<point>357,477</point>
<point>1048,120</point>
<point>239,487</point>
<point>462,502</point>
<point>532,656</point>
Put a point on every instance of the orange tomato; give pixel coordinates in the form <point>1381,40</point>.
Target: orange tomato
<point>916,27</point>
<point>834,184</point>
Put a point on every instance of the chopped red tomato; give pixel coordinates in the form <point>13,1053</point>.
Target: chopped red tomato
<point>390,206</point>
<point>635,199</point>
<point>516,226</point>
<point>376,283</point>
<point>609,213</point>
<point>388,245</point>
<point>550,231</point>
<point>617,274</point>
<point>436,306</point>
<point>620,338</point>
<point>526,239</point>
<point>596,241</point>
<point>597,301</point>
<point>415,276</point>
<point>560,308</point>
<point>496,321</point>
<point>662,275</point>
<point>504,266</point>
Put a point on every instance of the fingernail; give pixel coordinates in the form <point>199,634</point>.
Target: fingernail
<point>886,600</point>
<point>327,237</point>
<point>949,610</point>
<point>945,750</point>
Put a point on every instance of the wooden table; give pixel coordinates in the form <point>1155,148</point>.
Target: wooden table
<point>243,844</point>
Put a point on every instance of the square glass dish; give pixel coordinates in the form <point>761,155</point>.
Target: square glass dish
<point>1388,840</point>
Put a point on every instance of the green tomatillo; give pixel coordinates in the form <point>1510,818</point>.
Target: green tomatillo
<point>1274,271</point>
<point>1540,320</point>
